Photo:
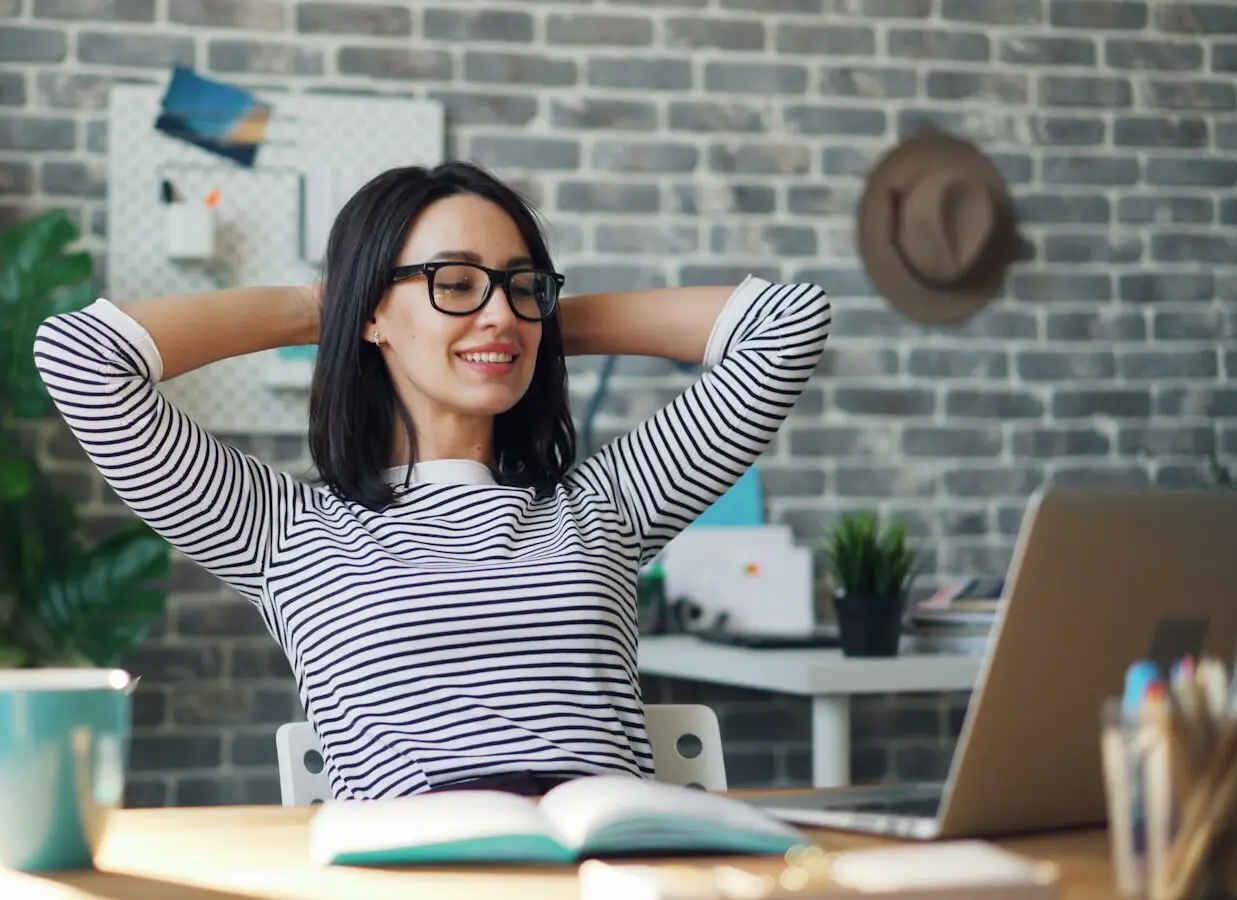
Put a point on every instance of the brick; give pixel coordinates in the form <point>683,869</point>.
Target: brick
<point>1007,481</point>
<point>97,10</point>
<point>1157,131</point>
<point>12,89</point>
<point>1098,15</point>
<point>640,73</point>
<point>397,63</point>
<point>600,113</point>
<point>884,401</point>
<point>1153,365</point>
<point>495,66</point>
<point>755,77</point>
<point>598,30</point>
<point>880,9</point>
<point>1061,286</point>
<point>1084,403</point>
<point>708,116</point>
<point>819,199</point>
<point>73,179</point>
<point>1209,249</point>
<point>1175,287</point>
<point>1187,171</point>
<point>1197,401</point>
<point>833,39</point>
<point>868,82</point>
<point>1042,50</point>
<point>766,158</point>
<point>692,199</point>
<point>457,24</point>
<point>951,442</point>
<point>36,133</point>
<point>986,127</point>
<point>1066,365</point>
<point>714,33</point>
<point>1076,248</point>
<point>170,752</point>
<point>669,4</point>
<point>1075,168</point>
<point>838,441</point>
<point>259,661</point>
<point>16,177</point>
<point>1192,325</point>
<point>251,15</point>
<point>1180,96</point>
<point>868,481</point>
<point>510,151</point>
<point>763,241</point>
<point>145,793</point>
<point>1141,209</point>
<point>614,197</point>
<point>846,161</point>
<point>787,482</point>
<point>834,120</point>
<point>645,238</point>
<point>350,18</point>
<point>1197,18</point>
<point>1161,440</point>
<point>169,665</point>
<point>794,7</point>
<point>1224,58</point>
<point>1228,211</point>
<point>956,362</point>
<point>923,43</point>
<point>644,156</point>
<point>1048,443</point>
<point>992,404</point>
<point>268,58</point>
<point>1152,55</point>
<point>1085,90</point>
<point>123,48</point>
<point>855,361</point>
<point>32,45</point>
<point>486,108</point>
<point>74,90</point>
<point>213,617</point>
<point>723,274</point>
<point>997,87</point>
<point>1110,476</point>
<point>994,12</point>
<point>253,750</point>
<point>1063,209</point>
<point>1067,131</point>
<point>1112,324</point>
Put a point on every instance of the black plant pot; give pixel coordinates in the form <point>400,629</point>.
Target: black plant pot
<point>869,626</point>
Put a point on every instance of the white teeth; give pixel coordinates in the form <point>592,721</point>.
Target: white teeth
<point>488,357</point>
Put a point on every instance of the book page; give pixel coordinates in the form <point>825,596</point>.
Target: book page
<point>424,826</point>
<point>580,808</point>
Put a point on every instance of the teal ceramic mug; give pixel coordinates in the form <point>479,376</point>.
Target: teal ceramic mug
<point>64,736</point>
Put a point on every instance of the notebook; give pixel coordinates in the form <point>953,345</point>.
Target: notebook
<point>596,816</point>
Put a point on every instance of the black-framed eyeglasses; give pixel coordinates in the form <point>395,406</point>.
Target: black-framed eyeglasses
<point>462,288</point>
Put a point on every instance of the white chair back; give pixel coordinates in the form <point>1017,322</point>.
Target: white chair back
<point>686,741</point>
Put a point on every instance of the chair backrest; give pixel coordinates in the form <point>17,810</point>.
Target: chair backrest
<point>686,741</point>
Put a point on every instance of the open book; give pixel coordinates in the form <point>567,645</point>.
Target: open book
<point>601,815</point>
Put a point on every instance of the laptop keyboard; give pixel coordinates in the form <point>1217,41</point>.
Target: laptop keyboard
<point>904,806</point>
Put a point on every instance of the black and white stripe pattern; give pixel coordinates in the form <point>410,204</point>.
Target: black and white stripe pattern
<point>470,629</point>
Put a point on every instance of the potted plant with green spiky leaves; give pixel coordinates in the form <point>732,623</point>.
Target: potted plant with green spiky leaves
<point>872,568</point>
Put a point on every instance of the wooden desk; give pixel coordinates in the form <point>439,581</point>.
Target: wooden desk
<point>826,676</point>
<point>260,853</point>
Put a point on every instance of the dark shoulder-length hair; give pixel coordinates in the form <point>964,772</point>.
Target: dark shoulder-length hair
<point>353,406</point>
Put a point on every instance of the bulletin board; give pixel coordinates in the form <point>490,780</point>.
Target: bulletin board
<point>258,229</point>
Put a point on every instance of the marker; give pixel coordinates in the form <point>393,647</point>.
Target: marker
<point>1138,678</point>
<point>212,198</point>
<point>168,191</point>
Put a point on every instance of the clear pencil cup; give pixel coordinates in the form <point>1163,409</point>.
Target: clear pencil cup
<point>1125,747</point>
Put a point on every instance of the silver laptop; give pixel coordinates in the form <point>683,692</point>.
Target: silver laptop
<point>1098,579</point>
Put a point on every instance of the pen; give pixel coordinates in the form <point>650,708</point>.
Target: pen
<point>168,191</point>
<point>1138,677</point>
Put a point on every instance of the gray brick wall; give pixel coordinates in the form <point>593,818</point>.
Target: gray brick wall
<point>694,140</point>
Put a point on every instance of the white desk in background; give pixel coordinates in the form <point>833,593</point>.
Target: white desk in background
<point>825,675</point>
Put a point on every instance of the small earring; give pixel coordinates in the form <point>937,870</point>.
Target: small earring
<point>377,336</point>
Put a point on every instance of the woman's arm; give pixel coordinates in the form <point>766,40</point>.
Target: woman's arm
<point>760,343</point>
<point>193,330</point>
<point>672,323</point>
<point>101,366</point>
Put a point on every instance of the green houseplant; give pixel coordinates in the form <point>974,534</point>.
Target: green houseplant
<point>872,568</point>
<point>63,601</point>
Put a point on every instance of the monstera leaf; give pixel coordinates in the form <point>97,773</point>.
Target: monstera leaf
<point>39,277</point>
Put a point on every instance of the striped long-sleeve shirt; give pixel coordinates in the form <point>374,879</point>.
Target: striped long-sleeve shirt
<point>470,629</point>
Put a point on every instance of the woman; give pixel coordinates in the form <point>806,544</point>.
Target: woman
<point>456,598</point>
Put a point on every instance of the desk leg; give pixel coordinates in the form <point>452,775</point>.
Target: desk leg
<point>830,741</point>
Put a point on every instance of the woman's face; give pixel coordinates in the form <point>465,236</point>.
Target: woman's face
<point>458,365</point>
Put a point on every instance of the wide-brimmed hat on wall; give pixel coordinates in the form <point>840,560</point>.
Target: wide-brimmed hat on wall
<point>936,228</point>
